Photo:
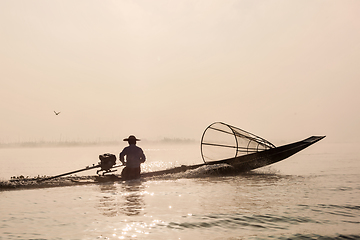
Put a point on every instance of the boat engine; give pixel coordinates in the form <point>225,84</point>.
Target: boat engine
<point>107,161</point>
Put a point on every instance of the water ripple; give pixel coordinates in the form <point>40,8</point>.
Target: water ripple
<point>238,221</point>
<point>319,237</point>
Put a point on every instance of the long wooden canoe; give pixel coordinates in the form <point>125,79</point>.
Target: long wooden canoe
<point>250,161</point>
<point>238,165</point>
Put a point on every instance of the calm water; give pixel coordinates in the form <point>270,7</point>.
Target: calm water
<point>312,195</point>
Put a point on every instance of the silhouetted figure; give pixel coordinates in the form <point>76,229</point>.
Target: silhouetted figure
<point>56,113</point>
<point>134,157</point>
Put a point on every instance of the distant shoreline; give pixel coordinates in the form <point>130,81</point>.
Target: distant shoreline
<point>41,144</point>
<point>54,144</point>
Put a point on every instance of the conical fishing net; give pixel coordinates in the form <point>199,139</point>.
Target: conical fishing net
<point>222,141</point>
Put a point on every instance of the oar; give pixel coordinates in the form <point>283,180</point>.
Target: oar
<point>64,174</point>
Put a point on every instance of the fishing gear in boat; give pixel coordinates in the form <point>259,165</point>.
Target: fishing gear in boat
<point>107,164</point>
<point>223,141</point>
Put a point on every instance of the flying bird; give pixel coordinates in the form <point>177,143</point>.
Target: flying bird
<point>56,113</point>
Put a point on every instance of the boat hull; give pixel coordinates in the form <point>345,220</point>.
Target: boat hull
<point>251,161</point>
<point>237,165</point>
<point>271,156</point>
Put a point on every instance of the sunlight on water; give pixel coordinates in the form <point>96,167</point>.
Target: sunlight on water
<point>283,201</point>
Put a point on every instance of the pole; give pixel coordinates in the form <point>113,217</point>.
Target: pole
<point>64,174</point>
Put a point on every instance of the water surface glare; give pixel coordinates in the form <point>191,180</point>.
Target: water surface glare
<point>288,200</point>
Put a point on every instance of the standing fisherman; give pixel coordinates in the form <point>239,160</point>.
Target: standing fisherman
<point>134,157</point>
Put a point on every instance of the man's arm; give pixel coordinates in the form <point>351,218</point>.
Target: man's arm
<point>142,156</point>
<point>121,157</point>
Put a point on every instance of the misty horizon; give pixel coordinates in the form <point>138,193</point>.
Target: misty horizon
<point>75,143</point>
<point>283,70</point>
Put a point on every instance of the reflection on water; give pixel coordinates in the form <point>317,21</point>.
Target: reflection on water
<point>124,198</point>
<point>132,193</point>
<point>108,203</point>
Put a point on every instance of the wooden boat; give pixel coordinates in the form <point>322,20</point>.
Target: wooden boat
<point>230,148</point>
<point>250,161</point>
<point>223,143</point>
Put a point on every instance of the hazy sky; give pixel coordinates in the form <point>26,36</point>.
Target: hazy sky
<point>283,70</point>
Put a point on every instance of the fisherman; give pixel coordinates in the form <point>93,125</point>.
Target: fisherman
<point>134,157</point>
